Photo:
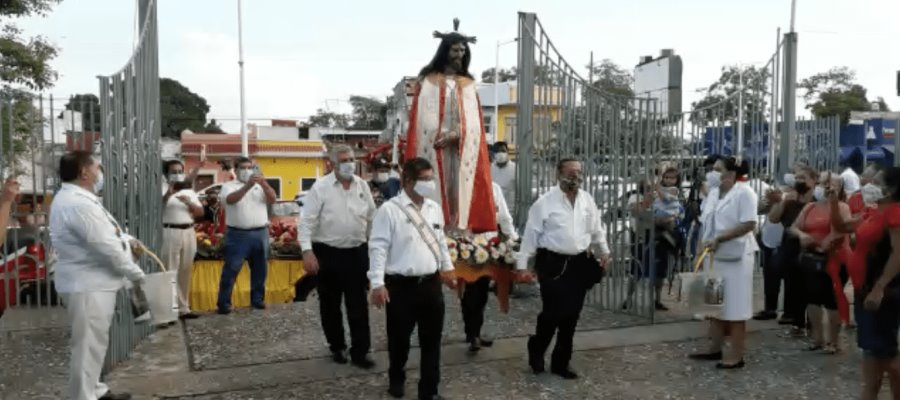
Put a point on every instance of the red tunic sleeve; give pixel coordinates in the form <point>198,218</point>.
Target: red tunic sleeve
<point>892,216</point>
<point>856,203</point>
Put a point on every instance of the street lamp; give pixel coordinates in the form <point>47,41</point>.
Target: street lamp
<point>245,146</point>
<point>496,116</point>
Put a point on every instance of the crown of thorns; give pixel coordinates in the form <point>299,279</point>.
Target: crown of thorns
<point>454,36</point>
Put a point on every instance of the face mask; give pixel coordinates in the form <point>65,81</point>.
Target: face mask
<point>394,174</point>
<point>425,188</point>
<point>871,194</point>
<point>346,169</point>
<point>790,180</point>
<point>713,179</point>
<point>244,174</point>
<point>98,184</point>
<point>501,158</point>
<point>176,178</point>
<point>570,183</point>
<point>819,193</point>
<point>381,177</point>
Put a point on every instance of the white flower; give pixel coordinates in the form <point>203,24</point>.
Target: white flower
<point>465,254</point>
<point>451,243</point>
<point>502,247</point>
<point>496,255</point>
<point>509,258</point>
<point>454,255</point>
<point>481,256</point>
<point>480,241</point>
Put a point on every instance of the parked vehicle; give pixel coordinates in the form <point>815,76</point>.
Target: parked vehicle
<point>23,277</point>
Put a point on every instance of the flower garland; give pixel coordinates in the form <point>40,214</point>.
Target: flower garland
<point>481,250</point>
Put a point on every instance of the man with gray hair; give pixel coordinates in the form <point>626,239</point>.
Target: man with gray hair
<point>337,213</point>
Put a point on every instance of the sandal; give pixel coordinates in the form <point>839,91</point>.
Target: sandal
<point>815,347</point>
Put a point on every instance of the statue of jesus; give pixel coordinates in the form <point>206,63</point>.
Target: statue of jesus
<point>447,129</point>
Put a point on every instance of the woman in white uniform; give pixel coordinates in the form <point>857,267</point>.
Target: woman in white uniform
<point>729,219</point>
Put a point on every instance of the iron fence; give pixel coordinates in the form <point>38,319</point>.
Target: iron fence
<point>626,141</point>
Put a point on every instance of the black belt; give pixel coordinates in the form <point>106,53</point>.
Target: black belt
<point>245,229</point>
<point>178,226</point>
<point>401,279</point>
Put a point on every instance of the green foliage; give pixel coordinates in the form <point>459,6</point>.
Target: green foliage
<point>25,61</point>
<point>329,119</point>
<point>180,109</point>
<point>25,117</point>
<point>835,92</point>
<point>89,107</point>
<point>368,113</point>
<point>720,100</point>
<point>610,78</point>
<point>503,75</point>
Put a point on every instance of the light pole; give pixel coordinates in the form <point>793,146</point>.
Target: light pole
<point>496,117</point>
<point>245,146</point>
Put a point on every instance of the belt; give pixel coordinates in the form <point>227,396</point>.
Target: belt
<point>410,279</point>
<point>245,229</point>
<point>178,226</point>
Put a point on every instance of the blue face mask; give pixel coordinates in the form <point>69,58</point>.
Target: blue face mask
<point>98,184</point>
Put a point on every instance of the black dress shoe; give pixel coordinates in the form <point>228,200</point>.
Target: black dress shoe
<point>706,356</point>
<point>396,390</point>
<point>786,321</point>
<point>739,364</point>
<point>116,396</point>
<point>660,307</point>
<point>223,311</point>
<point>259,306</point>
<point>474,346</point>
<point>485,343</point>
<point>339,357</point>
<point>189,315</point>
<point>765,315</point>
<point>363,362</point>
<point>565,373</point>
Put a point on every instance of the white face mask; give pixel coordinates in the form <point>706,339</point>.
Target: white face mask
<point>789,180</point>
<point>346,169</point>
<point>819,193</point>
<point>713,179</point>
<point>244,175</point>
<point>394,174</point>
<point>425,188</point>
<point>176,178</point>
<point>871,194</point>
<point>98,184</point>
<point>381,177</point>
<point>501,158</point>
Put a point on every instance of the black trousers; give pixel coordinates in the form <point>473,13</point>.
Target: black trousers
<point>415,302</point>
<point>794,283</point>
<point>563,289</point>
<point>772,276</point>
<point>474,299</point>
<point>342,277</point>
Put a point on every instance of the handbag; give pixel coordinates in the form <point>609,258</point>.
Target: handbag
<point>702,291</point>
<point>813,262</point>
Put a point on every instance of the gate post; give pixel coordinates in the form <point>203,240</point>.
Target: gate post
<point>789,104</point>
<point>524,113</point>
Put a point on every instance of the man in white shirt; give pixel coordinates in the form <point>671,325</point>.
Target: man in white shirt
<point>503,173</point>
<point>246,234</point>
<point>94,260</point>
<point>475,295</point>
<point>180,206</point>
<point>565,233</point>
<point>337,213</point>
<point>408,259</point>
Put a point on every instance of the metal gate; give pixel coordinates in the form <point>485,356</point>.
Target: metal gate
<point>624,142</point>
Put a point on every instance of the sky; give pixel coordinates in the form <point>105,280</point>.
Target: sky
<point>301,56</point>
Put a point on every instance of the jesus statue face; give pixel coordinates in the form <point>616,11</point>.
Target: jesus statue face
<point>457,53</point>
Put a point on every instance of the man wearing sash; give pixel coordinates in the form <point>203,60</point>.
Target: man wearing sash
<point>408,260</point>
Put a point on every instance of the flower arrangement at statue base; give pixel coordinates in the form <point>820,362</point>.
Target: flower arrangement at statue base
<point>481,249</point>
<point>210,245</point>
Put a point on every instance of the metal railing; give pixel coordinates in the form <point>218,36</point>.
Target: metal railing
<point>624,142</point>
<point>129,145</point>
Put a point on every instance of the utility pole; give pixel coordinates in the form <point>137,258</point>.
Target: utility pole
<point>245,140</point>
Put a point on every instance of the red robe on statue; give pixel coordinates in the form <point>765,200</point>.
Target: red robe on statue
<point>443,106</point>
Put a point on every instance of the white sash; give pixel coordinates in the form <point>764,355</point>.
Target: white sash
<point>430,239</point>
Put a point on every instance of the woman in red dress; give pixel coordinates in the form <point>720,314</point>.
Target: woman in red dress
<point>877,320</point>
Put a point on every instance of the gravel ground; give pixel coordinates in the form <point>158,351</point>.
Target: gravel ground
<point>777,368</point>
<point>293,331</point>
<point>34,364</point>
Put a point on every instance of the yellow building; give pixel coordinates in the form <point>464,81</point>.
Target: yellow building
<point>546,109</point>
<point>293,166</point>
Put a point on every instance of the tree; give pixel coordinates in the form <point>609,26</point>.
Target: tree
<point>609,77</point>
<point>720,100</point>
<point>180,109</point>
<point>368,113</point>
<point>503,75</point>
<point>834,92</point>
<point>329,119</point>
<point>89,107</point>
<point>212,127</point>
<point>25,62</point>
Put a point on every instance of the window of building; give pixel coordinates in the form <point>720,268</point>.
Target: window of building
<point>307,183</point>
<point>488,127</point>
<point>303,132</point>
<point>510,130</point>
<point>275,183</point>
